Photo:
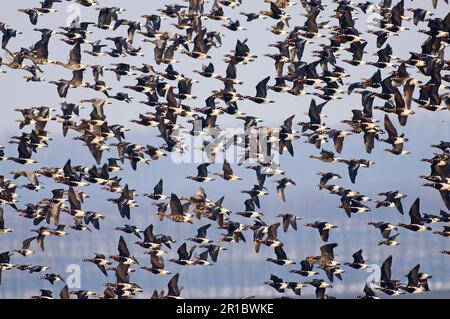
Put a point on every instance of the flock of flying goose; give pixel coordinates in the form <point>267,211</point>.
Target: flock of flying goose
<point>168,95</point>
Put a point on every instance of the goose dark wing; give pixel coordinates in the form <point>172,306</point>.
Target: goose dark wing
<point>182,252</point>
<point>202,170</point>
<point>414,213</point>
<point>385,232</point>
<point>445,197</point>
<point>157,262</point>
<point>369,141</point>
<point>386,271</point>
<point>280,253</point>
<point>313,113</point>
<point>231,71</point>
<point>73,200</point>
<point>122,273</point>
<point>272,231</point>
<point>327,251</point>
<point>64,293</point>
<point>286,222</point>
<point>413,276</point>
<point>201,232</point>
<point>261,88</point>
<point>338,142</point>
<point>227,171</point>
<point>306,266</point>
<point>327,154</point>
<point>358,258</point>
<point>280,191</point>
<point>353,170</point>
<point>392,131</point>
<point>75,54</point>
<point>209,68</point>
<point>249,205</point>
<point>398,205</point>
<point>122,247</point>
<point>320,293</point>
<point>158,189</point>
<point>408,91</point>
<point>275,10</point>
<point>2,221</point>
<point>368,291</point>
<point>5,257</point>
<point>172,286</point>
<point>148,235</point>
<point>175,205</point>
<point>324,233</point>
<point>27,242</point>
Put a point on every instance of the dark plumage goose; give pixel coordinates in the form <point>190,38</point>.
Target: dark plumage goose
<point>25,250</point>
<point>332,272</point>
<point>417,224</point>
<point>177,211</point>
<point>394,139</point>
<point>389,241</point>
<point>368,293</point>
<point>228,172</point>
<point>358,261</point>
<point>277,283</point>
<point>101,262</point>
<point>354,165</point>
<point>125,202</point>
<point>282,183</point>
<point>326,258</point>
<point>5,259</point>
<point>202,175</point>
<point>157,265</point>
<point>208,71</point>
<point>184,256</point>
<point>320,286</point>
<point>289,220</point>
<point>124,256</point>
<point>52,278</point>
<point>8,33</point>
<point>173,289</point>
<point>201,235</point>
<point>444,190</point>
<point>385,228</point>
<point>271,241</point>
<point>387,285</point>
<point>234,233</point>
<point>326,156</point>
<point>130,229</point>
<point>45,294</point>
<point>33,14</point>
<point>250,210</point>
<point>276,13</point>
<point>323,227</point>
<point>214,250</point>
<point>445,232</point>
<point>281,259</point>
<point>3,229</point>
<point>74,62</point>
<point>256,192</point>
<point>417,282</point>
<point>306,271</point>
<point>393,199</point>
<point>261,93</point>
<point>150,241</point>
<point>326,177</point>
<point>157,192</point>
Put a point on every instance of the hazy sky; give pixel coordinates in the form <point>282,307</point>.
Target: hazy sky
<point>240,271</point>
